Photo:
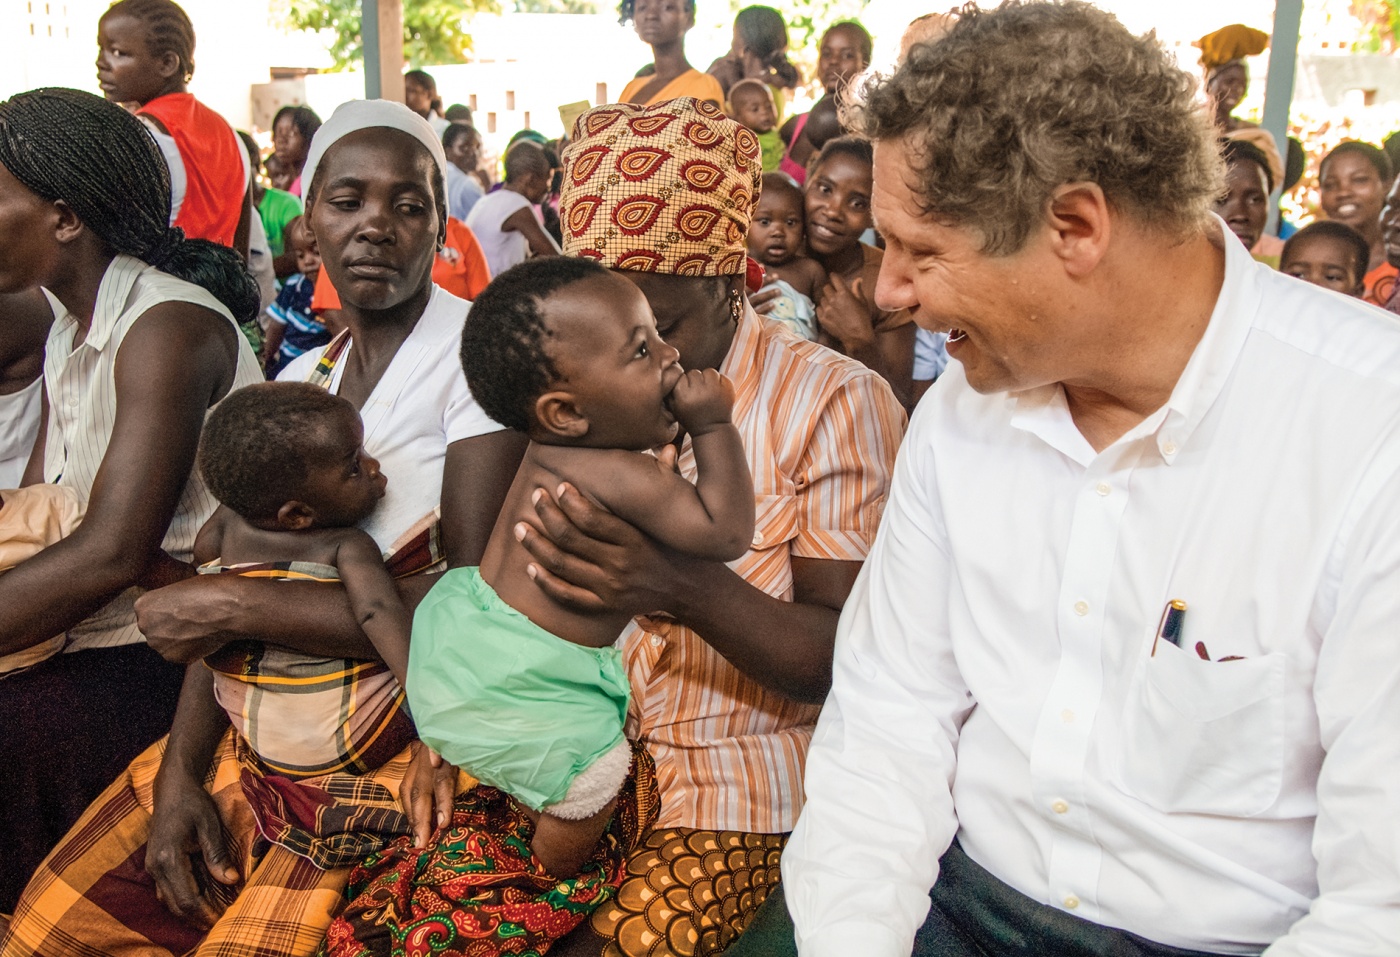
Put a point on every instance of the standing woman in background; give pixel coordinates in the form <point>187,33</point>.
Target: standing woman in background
<point>144,344</point>
<point>663,25</point>
<point>846,49</point>
<point>146,56</point>
<point>759,52</point>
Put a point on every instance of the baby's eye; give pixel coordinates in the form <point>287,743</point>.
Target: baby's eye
<point>643,351</point>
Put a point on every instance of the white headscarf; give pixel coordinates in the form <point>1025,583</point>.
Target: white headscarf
<point>365,114</point>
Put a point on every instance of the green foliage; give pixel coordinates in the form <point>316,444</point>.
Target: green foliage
<point>557,6</point>
<point>1381,21</point>
<point>432,28</point>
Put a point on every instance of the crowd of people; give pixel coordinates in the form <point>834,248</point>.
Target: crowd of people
<point>399,558</point>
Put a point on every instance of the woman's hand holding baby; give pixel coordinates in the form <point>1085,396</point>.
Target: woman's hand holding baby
<point>702,401</point>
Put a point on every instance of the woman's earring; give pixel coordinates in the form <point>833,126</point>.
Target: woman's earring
<point>736,305</point>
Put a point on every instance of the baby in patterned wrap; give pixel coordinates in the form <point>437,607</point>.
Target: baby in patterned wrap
<point>776,236</point>
<point>522,693</point>
<point>286,463</point>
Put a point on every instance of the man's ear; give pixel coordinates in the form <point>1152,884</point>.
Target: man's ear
<point>295,516</point>
<point>557,415</point>
<point>67,226</point>
<point>1078,218</point>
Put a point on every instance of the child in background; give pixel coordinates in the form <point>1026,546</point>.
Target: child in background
<point>527,695</point>
<point>286,462</point>
<point>146,57</point>
<point>776,237</point>
<point>1328,254</point>
<point>751,104</point>
<point>292,326</point>
<point>279,174</point>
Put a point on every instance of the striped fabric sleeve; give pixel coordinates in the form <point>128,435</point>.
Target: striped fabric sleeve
<point>845,471</point>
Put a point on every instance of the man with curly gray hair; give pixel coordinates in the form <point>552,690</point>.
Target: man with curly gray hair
<point>1119,675</point>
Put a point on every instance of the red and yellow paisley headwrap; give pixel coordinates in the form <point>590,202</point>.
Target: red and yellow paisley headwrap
<point>667,188</point>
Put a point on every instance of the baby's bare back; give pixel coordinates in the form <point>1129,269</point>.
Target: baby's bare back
<point>503,567</point>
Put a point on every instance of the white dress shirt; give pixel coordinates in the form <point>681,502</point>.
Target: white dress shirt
<point>994,676</point>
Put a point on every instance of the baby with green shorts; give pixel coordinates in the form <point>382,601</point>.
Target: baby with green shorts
<point>526,695</point>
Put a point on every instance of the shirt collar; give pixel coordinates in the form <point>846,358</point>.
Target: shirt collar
<point>1043,412</point>
<point>741,364</point>
<point>113,292</point>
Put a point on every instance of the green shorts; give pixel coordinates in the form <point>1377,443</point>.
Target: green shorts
<point>516,707</point>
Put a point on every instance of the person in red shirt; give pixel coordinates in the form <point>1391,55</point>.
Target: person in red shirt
<point>146,57</point>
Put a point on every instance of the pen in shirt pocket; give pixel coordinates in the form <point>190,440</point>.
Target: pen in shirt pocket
<point>1169,628</point>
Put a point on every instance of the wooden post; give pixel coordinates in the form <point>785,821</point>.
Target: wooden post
<point>381,25</point>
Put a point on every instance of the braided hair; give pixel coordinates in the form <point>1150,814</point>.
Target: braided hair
<point>101,162</point>
<point>170,30</point>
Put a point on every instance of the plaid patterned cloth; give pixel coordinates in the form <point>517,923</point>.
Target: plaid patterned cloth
<point>92,895</point>
<point>292,840</point>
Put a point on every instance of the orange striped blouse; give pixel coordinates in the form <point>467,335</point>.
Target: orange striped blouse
<point>821,432</point>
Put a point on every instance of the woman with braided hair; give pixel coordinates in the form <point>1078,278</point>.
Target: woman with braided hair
<point>143,344</point>
<point>145,57</point>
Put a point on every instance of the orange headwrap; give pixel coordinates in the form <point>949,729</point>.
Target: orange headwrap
<point>667,188</point>
<point>1229,44</point>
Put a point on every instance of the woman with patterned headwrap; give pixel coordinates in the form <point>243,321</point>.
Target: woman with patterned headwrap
<point>729,662</point>
<point>144,343</point>
<point>1227,81</point>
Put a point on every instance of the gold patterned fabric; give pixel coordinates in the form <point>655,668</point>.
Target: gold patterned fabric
<point>668,188</point>
<point>688,893</point>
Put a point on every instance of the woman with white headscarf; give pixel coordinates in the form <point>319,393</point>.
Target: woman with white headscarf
<point>244,823</point>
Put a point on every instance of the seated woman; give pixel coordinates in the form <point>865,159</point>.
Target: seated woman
<point>726,682</point>
<point>663,24</point>
<point>272,851</point>
<point>838,214</point>
<point>136,357</point>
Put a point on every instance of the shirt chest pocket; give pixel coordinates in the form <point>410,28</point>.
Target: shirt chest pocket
<point>1205,737</point>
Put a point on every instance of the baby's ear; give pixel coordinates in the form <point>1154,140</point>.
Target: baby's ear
<point>295,516</point>
<point>559,416</point>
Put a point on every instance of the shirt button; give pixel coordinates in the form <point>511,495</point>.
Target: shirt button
<point>1067,716</point>
<point>1103,488</point>
<point>1060,807</point>
<point>1169,448</point>
<point>1081,608</point>
<point>657,641</point>
<point>1071,902</point>
<point>758,540</point>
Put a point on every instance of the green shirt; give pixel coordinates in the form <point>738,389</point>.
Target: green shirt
<point>277,209</point>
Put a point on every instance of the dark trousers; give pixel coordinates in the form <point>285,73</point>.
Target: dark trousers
<point>68,727</point>
<point>973,915</point>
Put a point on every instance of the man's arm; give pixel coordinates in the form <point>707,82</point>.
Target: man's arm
<point>879,810</point>
<point>1357,692</point>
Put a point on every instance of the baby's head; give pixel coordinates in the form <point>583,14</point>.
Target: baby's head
<point>751,104</point>
<point>567,352</point>
<point>303,245</point>
<point>288,455</point>
<point>778,226</point>
<point>1328,254</point>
